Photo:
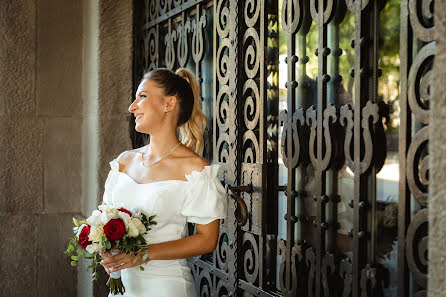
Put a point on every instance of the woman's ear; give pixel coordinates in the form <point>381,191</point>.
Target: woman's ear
<point>171,102</point>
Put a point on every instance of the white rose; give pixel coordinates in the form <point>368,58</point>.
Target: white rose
<point>105,217</point>
<point>108,209</point>
<point>80,229</point>
<point>94,247</point>
<point>133,231</point>
<point>125,217</point>
<point>96,233</point>
<point>141,228</point>
<point>95,218</point>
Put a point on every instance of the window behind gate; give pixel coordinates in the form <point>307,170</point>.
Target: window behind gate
<point>318,113</point>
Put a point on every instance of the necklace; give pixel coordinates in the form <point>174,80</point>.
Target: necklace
<point>142,156</point>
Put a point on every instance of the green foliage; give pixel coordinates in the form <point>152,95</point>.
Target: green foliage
<point>72,245</point>
<point>389,34</point>
<point>76,222</point>
<point>388,54</point>
<point>389,28</point>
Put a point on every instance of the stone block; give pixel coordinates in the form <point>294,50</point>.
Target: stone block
<point>21,159</point>
<point>18,257</point>
<point>114,139</point>
<point>59,57</point>
<point>115,57</point>
<point>56,275</point>
<point>62,159</point>
<point>17,57</point>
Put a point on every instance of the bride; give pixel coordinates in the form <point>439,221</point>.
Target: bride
<point>169,179</point>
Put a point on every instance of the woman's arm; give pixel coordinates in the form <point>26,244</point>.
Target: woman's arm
<point>203,242</point>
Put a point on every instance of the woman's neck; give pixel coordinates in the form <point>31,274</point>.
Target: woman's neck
<point>161,144</point>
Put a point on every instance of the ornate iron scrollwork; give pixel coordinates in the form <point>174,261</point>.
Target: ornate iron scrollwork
<point>174,31</point>
<point>416,89</point>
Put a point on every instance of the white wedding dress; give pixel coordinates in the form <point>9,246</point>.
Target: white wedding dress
<point>200,199</point>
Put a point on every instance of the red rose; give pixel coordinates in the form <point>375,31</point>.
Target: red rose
<point>125,210</point>
<point>114,229</point>
<point>83,237</point>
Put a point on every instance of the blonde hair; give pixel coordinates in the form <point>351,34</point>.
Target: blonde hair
<point>193,130</point>
<point>191,119</point>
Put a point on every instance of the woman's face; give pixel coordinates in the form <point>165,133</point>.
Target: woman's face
<point>148,107</point>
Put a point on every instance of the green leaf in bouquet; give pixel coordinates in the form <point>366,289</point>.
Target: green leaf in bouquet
<point>73,263</point>
<point>70,248</point>
<point>74,258</point>
<point>80,252</point>
<point>146,255</point>
<point>76,222</point>
<point>141,268</point>
<point>108,245</point>
<point>134,261</point>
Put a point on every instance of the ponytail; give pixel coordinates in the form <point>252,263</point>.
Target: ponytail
<point>192,131</point>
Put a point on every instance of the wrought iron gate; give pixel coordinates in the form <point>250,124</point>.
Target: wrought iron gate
<point>286,166</point>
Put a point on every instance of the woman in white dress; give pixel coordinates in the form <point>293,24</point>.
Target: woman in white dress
<point>169,179</point>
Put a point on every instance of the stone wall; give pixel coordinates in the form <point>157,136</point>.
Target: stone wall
<point>437,172</point>
<point>114,91</point>
<point>21,150</point>
<point>65,85</point>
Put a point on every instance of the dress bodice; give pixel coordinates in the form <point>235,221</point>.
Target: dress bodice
<point>199,199</point>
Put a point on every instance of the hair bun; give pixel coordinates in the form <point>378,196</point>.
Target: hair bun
<point>182,73</point>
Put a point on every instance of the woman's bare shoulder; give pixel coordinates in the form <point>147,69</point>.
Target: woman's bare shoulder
<point>192,161</point>
<point>126,157</point>
<point>196,164</point>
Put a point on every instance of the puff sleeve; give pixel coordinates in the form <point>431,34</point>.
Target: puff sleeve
<point>110,181</point>
<point>205,196</point>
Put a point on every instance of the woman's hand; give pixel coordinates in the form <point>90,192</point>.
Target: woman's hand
<point>122,260</point>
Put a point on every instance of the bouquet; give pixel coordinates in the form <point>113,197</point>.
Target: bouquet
<point>109,227</point>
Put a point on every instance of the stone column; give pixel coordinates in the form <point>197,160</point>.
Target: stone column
<point>115,55</point>
<point>437,171</point>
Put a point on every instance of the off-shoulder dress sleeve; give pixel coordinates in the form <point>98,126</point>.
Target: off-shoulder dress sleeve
<point>205,196</point>
<point>110,181</point>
